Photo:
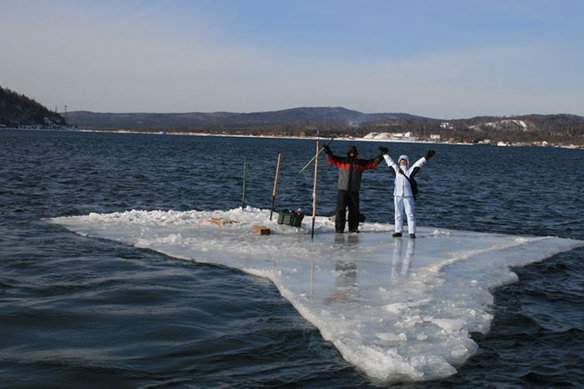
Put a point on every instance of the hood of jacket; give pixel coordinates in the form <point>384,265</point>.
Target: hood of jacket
<point>406,158</point>
<point>352,153</point>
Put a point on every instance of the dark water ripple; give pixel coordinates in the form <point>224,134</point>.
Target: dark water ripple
<point>79,312</point>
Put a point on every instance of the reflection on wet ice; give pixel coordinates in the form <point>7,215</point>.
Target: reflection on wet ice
<point>402,261</point>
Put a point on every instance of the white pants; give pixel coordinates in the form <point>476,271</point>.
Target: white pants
<point>404,205</point>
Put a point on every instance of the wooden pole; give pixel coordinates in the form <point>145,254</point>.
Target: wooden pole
<point>314,189</point>
<point>275,185</point>
<point>244,180</point>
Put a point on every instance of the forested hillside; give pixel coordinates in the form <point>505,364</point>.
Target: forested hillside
<point>17,110</point>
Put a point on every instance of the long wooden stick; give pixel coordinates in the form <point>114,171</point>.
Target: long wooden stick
<point>275,185</point>
<point>244,179</point>
<point>314,189</point>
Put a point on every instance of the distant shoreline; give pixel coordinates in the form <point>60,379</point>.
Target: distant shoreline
<point>352,139</point>
<point>348,139</point>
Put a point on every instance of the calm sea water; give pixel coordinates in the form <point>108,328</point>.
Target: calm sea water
<point>81,312</point>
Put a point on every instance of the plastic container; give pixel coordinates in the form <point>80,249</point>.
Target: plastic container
<point>290,218</point>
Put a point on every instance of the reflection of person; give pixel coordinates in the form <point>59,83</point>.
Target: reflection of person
<point>402,193</point>
<point>401,263</point>
<point>350,170</point>
<point>346,288</point>
<point>345,282</point>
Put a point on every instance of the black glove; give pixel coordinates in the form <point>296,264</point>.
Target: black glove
<point>383,149</point>
<point>327,149</point>
<point>429,154</point>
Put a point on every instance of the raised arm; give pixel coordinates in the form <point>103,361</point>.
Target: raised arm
<point>336,161</point>
<point>390,162</point>
<point>420,162</point>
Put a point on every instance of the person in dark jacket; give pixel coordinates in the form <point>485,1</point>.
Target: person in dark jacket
<point>350,170</point>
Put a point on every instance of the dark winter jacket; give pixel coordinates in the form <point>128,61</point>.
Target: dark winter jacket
<point>350,170</point>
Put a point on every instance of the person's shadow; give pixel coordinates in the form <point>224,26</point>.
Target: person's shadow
<point>400,266</point>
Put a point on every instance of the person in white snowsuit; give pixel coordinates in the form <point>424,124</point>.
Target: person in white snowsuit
<point>402,192</point>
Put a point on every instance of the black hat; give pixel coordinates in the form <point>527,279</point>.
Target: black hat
<point>352,150</point>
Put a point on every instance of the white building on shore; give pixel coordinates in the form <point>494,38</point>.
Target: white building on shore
<point>392,136</point>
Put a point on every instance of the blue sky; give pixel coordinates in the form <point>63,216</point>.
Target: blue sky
<point>442,59</point>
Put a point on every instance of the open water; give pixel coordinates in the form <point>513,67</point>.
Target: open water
<point>82,312</point>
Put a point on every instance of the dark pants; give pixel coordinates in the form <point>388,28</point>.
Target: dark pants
<point>347,199</point>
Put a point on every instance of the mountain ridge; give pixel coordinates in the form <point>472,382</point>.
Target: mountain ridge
<point>340,121</point>
<point>17,110</point>
<point>224,119</point>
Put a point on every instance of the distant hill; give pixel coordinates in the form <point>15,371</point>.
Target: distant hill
<point>196,121</point>
<point>558,128</point>
<point>338,121</point>
<point>17,110</point>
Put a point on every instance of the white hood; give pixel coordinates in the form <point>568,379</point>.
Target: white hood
<point>406,158</point>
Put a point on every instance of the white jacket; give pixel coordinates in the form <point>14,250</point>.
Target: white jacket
<point>402,185</point>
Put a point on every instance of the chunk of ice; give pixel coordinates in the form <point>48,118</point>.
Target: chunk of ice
<point>398,309</point>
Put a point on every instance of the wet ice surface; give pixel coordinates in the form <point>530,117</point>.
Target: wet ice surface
<point>397,309</point>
